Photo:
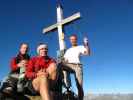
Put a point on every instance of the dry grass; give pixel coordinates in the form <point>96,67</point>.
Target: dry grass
<point>34,97</point>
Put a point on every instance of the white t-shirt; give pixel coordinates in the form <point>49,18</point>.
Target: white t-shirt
<point>73,54</point>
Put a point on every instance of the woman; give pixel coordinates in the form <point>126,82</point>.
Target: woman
<point>17,63</point>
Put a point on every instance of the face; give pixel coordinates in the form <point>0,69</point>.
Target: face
<point>43,52</point>
<point>73,40</point>
<point>24,49</point>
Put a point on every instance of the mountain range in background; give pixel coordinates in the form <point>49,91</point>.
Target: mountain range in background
<point>109,97</point>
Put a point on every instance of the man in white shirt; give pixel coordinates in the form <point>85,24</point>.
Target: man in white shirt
<point>72,63</point>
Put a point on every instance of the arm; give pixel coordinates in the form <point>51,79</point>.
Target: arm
<point>87,47</point>
<point>87,51</point>
<point>13,65</point>
<point>30,74</point>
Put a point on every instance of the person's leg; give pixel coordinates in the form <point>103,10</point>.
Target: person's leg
<point>53,74</point>
<point>52,71</point>
<point>67,79</point>
<point>44,89</point>
<point>9,85</point>
<point>67,69</point>
<point>36,84</point>
<point>79,81</point>
<point>40,84</point>
<point>5,86</point>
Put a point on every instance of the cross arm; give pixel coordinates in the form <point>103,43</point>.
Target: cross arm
<point>50,28</point>
<point>64,21</point>
<point>71,18</point>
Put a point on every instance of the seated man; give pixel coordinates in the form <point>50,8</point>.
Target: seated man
<point>42,71</point>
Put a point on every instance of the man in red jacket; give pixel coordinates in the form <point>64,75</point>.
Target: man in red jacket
<point>42,70</point>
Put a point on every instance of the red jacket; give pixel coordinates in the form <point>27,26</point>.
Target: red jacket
<point>37,63</point>
<point>16,60</point>
<point>13,64</point>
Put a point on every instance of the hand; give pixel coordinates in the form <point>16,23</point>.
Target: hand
<point>22,63</point>
<point>42,72</point>
<point>85,41</point>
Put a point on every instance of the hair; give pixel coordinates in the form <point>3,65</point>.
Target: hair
<point>22,57</point>
<point>24,44</point>
<point>40,44</point>
<point>73,35</point>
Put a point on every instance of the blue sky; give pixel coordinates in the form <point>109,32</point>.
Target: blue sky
<point>107,23</point>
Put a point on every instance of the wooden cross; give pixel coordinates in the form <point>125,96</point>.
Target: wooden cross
<point>59,25</point>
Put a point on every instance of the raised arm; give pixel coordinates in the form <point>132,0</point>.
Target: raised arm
<point>87,47</point>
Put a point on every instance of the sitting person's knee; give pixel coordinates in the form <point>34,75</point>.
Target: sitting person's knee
<point>43,80</point>
<point>35,85</point>
<point>52,71</point>
<point>53,67</point>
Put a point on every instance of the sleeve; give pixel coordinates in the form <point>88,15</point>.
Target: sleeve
<point>13,64</point>
<point>65,55</point>
<point>82,50</point>
<point>30,74</point>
